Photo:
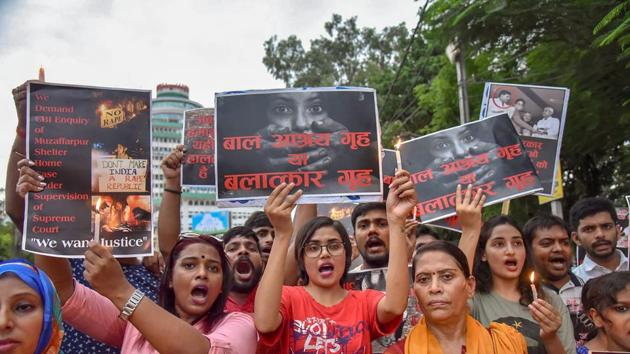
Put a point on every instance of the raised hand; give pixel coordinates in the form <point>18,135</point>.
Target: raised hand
<point>29,180</point>
<point>402,197</point>
<point>469,208</point>
<point>171,164</point>
<point>410,232</point>
<point>155,263</point>
<point>105,274</point>
<point>279,206</point>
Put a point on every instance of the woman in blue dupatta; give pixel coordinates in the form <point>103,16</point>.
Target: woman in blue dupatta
<point>28,304</point>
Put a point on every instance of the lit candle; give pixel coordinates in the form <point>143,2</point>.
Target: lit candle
<point>531,280</point>
<point>398,159</point>
<point>97,222</point>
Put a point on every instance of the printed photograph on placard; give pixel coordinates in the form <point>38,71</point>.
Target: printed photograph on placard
<point>198,139</point>
<point>116,168</point>
<point>92,144</point>
<point>338,212</point>
<point>538,114</point>
<point>486,154</point>
<point>325,140</point>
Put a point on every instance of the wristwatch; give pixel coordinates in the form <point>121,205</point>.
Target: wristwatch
<point>131,305</point>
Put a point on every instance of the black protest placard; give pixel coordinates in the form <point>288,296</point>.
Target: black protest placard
<point>389,170</point>
<point>538,114</point>
<point>341,212</point>
<point>486,153</point>
<point>198,168</point>
<point>92,146</point>
<point>323,140</point>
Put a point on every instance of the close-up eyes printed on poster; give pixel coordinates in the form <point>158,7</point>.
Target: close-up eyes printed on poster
<point>486,153</point>
<point>92,146</point>
<point>198,167</point>
<point>324,140</point>
<point>538,114</point>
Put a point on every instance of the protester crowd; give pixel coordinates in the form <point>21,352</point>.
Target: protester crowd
<point>282,285</point>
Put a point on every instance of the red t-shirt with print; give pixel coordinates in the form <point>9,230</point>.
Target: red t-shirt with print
<point>345,328</point>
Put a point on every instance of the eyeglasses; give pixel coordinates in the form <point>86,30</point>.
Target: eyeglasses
<point>209,238</point>
<point>314,250</point>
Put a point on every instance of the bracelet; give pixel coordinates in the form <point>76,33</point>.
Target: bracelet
<point>131,305</point>
<point>174,191</point>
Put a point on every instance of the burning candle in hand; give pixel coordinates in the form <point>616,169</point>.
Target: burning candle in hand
<point>398,159</point>
<point>97,221</point>
<point>531,280</point>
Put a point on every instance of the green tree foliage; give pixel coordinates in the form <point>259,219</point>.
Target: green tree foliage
<point>549,42</point>
<point>617,24</point>
<point>6,241</point>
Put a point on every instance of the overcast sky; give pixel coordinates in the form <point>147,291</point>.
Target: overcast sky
<point>210,45</point>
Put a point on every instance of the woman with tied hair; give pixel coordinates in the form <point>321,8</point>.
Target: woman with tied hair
<point>188,319</point>
<point>606,300</point>
<point>30,312</point>
<point>503,290</point>
<point>321,316</point>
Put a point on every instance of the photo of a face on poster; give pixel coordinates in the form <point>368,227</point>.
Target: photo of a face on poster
<point>324,140</point>
<point>538,114</point>
<point>486,154</point>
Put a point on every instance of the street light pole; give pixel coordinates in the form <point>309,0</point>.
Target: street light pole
<point>455,54</point>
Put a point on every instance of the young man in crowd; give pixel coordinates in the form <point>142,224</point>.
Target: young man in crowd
<point>241,247</point>
<point>593,221</point>
<point>424,235</point>
<point>259,222</point>
<point>548,238</point>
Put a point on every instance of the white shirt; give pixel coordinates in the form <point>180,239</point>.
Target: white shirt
<point>589,269</point>
<point>551,125</point>
<point>496,106</point>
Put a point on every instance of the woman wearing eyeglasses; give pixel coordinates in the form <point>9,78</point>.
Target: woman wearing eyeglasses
<point>188,319</point>
<point>321,316</point>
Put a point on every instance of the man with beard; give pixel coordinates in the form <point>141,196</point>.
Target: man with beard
<point>259,222</point>
<point>548,238</point>
<point>241,247</point>
<point>593,221</point>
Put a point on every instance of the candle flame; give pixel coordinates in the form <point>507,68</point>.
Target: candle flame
<point>398,142</point>
<point>98,204</point>
<point>531,277</point>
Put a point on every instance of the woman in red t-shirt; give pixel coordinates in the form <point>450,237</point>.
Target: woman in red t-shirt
<point>321,316</point>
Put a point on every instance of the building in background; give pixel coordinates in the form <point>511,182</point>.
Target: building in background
<point>167,118</point>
